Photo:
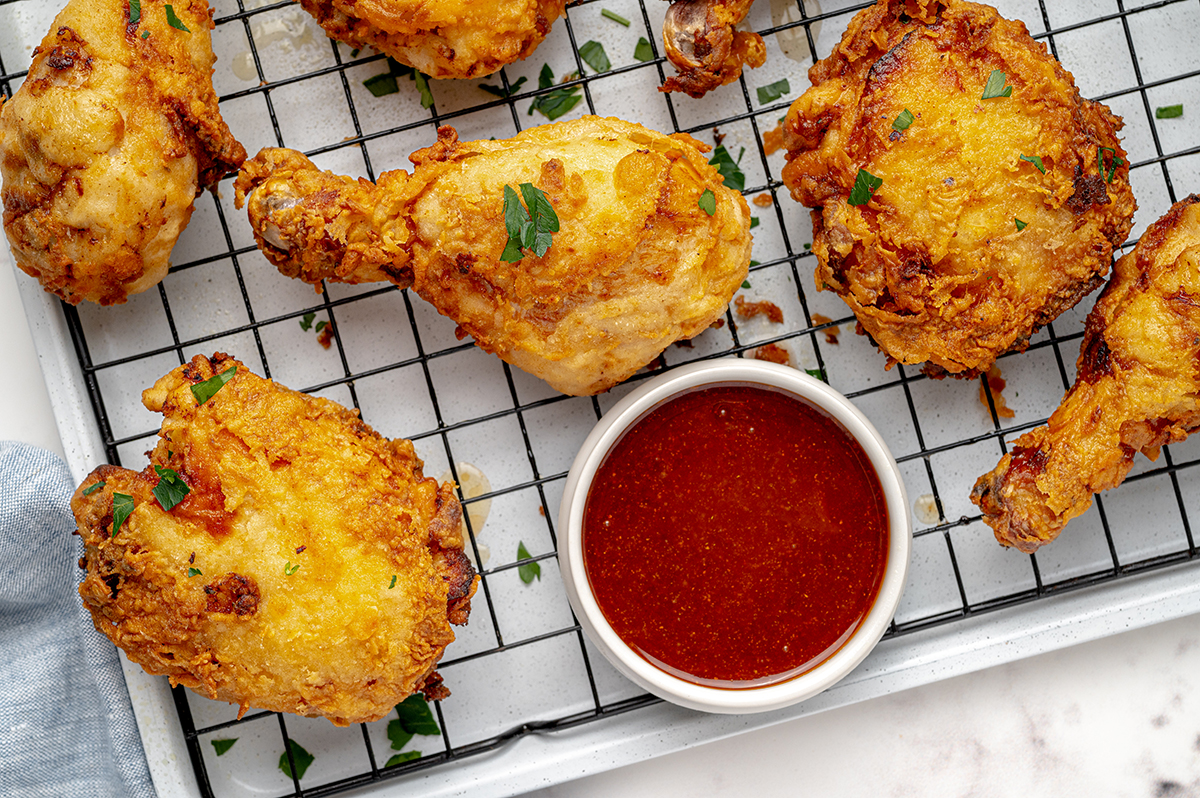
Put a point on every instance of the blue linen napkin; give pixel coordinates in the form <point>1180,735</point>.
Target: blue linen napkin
<point>66,724</point>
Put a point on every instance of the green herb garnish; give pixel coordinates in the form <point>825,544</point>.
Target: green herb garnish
<point>1116,161</point>
<point>732,175</point>
<point>499,91</point>
<point>707,202</point>
<point>1020,225</point>
<point>398,734</point>
<point>90,489</point>
<point>753,222</point>
<point>306,322</point>
<point>1168,111</point>
<point>385,84</point>
<point>817,373</point>
<point>401,758</point>
<point>554,104</point>
<point>773,91</point>
<point>995,86</point>
<point>145,34</point>
<point>174,21</point>
<point>122,506</point>
<point>1036,160</point>
<point>416,717</point>
<point>170,490</point>
<point>208,389</point>
<point>135,12</point>
<point>604,12</point>
<point>393,582</point>
<point>865,184</point>
<point>745,283</point>
<point>530,570</point>
<point>529,226</point>
<point>423,87</point>
<point>222,746</point>
<point>382,85</point>
<point>302,758</point>
<point>592,53</point>
<point>643,52</point>
<point>290,569</point>
<point>903,121</point>
<point>196,572</point>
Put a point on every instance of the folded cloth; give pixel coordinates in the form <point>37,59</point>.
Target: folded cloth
<point>66,724</point>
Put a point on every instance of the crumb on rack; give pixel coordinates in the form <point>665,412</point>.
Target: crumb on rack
<point>773,139</point>
<point>748,310</point>
<point>997,384</point>
<point>831,333</point>
<point>773,353</point>
<point>763,200</point>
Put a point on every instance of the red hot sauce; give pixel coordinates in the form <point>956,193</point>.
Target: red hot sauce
<point>735,534</point>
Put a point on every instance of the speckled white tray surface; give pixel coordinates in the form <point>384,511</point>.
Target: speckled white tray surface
<point>1137,57</point>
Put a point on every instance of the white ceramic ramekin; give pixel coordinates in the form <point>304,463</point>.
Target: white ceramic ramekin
<point>570,538</point>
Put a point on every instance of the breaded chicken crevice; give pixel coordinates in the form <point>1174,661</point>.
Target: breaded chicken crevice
<point>1137,387</point>
<point>639,259</point>
<point>445,38</point>
<point>310,568</point>
<point>965,195</point>
<point>106,145</point>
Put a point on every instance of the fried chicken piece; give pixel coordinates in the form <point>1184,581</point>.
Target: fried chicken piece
<point>635,264</point>
<point>993,216</point>
<point>311,568</point>
<point>106,145</point>
<point>1137,387</point>
<point>701,42</point>
<point>443,39</point>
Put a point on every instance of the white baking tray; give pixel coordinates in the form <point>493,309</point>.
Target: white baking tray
<point>546,680</point>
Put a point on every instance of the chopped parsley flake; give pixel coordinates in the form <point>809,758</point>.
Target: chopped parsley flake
<point>306,322</point>
<point>592,53</point>
<point>732,175</point>
<point>145,34</point>
<point>401,758</point>
<point>620,20</point>
<point>1036,160</point>
<point>643,52</point>
<point>745,283</point>
<point>1020,226</point>
<point>290,569</point>
<point>1168,111</point>
<point>221,746</point>
<point>995,86</point>
<point>174,21</point>
<point>753,222</point>
<point>385,84</point>
<point>816,374</point>
<point>865,184</point>
<point>529,226</point>
<point>208,389</point>
<point>499,91</point>
<point>707,202</point>
<point>530,570</point>
<point>554,104</point>
<point>196,572</point>
<point>171,489</point>
<point>301,757</point>
<point>122,506</point>
<point>135,12</point>
<point>90,489</point>
<point>903,121</point>
<point>416,717</point>
<point>773,91</point>
<point>393,582</point>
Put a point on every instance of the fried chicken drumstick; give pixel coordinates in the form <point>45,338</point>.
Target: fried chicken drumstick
<point>1137,387</point>
<point>310,568</point>
<point>701,42</point>
<point>965,194</point>
<point>637,261</point>
<point>443,39</point>
<point>106,145</point>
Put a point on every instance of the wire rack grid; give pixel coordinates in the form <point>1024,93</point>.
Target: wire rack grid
<point>283,84</point>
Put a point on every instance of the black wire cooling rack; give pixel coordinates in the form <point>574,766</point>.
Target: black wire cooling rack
<point>903,399</point>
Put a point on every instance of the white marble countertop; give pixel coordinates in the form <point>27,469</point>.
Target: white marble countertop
<point>1118,716</point>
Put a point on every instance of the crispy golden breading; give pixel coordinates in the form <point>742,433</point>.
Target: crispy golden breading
<point>1137,387</point>
<point>445,38</point>
<point>967,247</point>
<point>106,145</point>
<point>311,569</point>
<point>635,265</point>
<point>701,41</point>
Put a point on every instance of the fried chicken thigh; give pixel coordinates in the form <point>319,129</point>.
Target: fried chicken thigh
<point>1137,387</point>
<point>702,43</point>
<point>635,264</point>
<point>106,145</point>
<point>443,39</point>
<point>992,216</point>
<point>311,568</point>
